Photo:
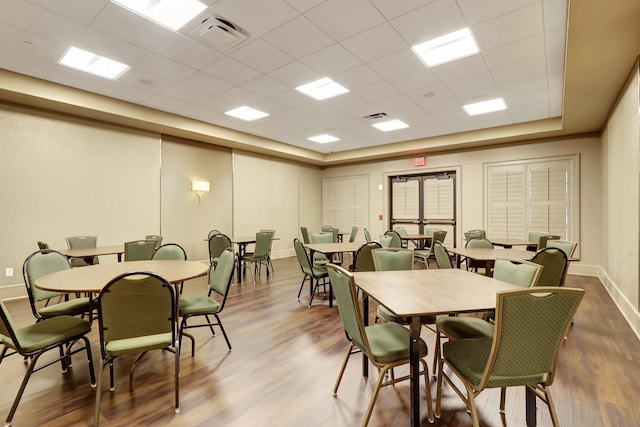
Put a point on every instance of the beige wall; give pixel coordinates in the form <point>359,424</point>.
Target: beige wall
<point>621,160</point>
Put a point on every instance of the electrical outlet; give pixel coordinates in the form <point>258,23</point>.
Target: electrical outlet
<point>8,272</point>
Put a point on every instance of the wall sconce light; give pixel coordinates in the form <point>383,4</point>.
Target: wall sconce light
<point>200,187</point>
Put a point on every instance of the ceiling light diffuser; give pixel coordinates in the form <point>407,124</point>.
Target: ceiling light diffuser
<point>447,48</point>
<point>170,13</point>
<point>390,125</point>
<point>246,113</point>
<point>322,89</point>
<point>323,139</point>
<point>484,107</point>
<point>91,63</point>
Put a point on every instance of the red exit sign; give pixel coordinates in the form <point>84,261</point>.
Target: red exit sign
<point>419,161</point>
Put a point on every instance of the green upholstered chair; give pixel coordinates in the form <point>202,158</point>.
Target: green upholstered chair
<point>269,262</point>
<point>171,252</point>
<point>315,273</point>
<point>430,230</point>
<point>523,351</point>
<point>32,341</point>
<point>385,241</point>
<point>568,247</point>
<point>136,314</point>
<point>155,237</point>
<point>38,264</point>
<point>260,254</point>
<point>218,242</point>
<point>139,250</point>
<point>477,233</point>
<point>363,259</point>
<point>43,245</point>
<point>353,234</point>
<point>320,259</point>
<point>443,260</point>
<point>212,232</point>
<point>211,304</point>
<point>478,242</point>
<point>402,232</point>
<point>326,227</point>
<point>423,255</point>
<point>305,235</point>
<point>534,237</point>
<point>555,263</point>
<point>396,241</point>
<point>82,242</point>
<point>367,235</point>
<point>385,344</point>
<point>393,259</point>
<point>542,241</point>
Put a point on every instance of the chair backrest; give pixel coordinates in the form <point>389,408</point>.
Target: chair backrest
<point>212,232</point>
<point>439,236</point>
<point>402,232</point>
<point>517,272</point>
<point>7,329</point>
<point>81,242</point>
<point>139,250</point>
<point>555,263</point>
<point>442,256</point>
<point>480,233</point>
<point>478,243</point>
<point>334,233</point>
<point>396,241</point>
<point>43,245</point>
<point>305,235</point>
<point>363,260</point>
<point>303,256</point>
<point>38,264</point>
<point>385,241</point>
<point>325,237</point>
<point>155,237</point>
<point>367,235</point>
<point>217,244</point>
<point>430,230</point>
<point>392,259</point>
<point>136,304</point>
<point>222,276</point>
<point>567,246</point>
<point>542,240</point>
<point>263,244</point>
<point>170,251</point>
<point>530,327</point>
<point>344,288</point>
<point>354,233</point>
<point>326,227</point>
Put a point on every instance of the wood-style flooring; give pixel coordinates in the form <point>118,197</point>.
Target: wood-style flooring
<point>286,358</point>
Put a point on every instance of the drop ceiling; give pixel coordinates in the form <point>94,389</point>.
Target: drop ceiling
<point>362,44</point>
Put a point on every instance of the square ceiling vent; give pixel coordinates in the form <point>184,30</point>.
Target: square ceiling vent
<point>219,33</point>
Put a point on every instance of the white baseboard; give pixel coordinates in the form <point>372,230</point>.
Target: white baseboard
<point>11,292</point>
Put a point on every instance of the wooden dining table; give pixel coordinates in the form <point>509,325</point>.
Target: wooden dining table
<point>93,278</point>
<point>419,240</point>
<point>417,293</point>
<point>489,255</point>
<point>117,250</point>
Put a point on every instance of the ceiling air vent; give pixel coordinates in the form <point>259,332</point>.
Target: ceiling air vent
<point>375,116</point>
<point>219,33</point>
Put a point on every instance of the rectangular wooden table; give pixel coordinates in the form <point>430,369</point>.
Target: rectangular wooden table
<point>489,255</point>
<point>510,242</point>
<point>416,293</point>
<point>330,249</point>
<point>92,252</point>
<point>420,240</point>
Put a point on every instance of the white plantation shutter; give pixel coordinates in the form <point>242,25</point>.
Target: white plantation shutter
<point>438,198</point>
<point>405,203</point>
<point>530,196</point>
<point>346,202</point>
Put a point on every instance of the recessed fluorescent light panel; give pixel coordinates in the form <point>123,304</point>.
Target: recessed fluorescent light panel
<point>246,113</point>
<point>323,139</point>
<point>170,13</point>
<point>92,63</point>
<point>390,125</point>
<point>485,107</point>
<point>447,48</point>
<point>322,89</point>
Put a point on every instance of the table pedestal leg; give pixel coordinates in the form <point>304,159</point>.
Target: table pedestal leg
<point>414,372</point>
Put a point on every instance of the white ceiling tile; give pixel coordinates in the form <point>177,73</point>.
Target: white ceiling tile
<point>164,67</point>
<point>257,17</point>
<point>240,97</point>
<point>74,78</point>
<point>357,77</point>
<point>188,52</point>
<point>376,91</point>
<point>555,14</point>
<point>435,19</point>
<point>266,86</point>
<point>125,91</point>
<point>520,71</point>
<point>414,81</point>
<point>463,67</point>
<point>113,48</point>
<point>395,8</point>
<point>470,84</point>
<point>35,19</point>
<point>204,83</point>
<point>308,38</point>
<point>165,103</point>
<point>512,53</point>
<point>510,27</point>
<point>23,63</point>
<point>479,11</point>
<point>232,71</point>
<point>304,5</point>
<point>295,74</point>
<point>375,43</point>
<point>331,60</point>
<point>148,81</point>
<point>31,44</point>
<point>556,41</point>
<point>262,56</point>
<point>79,10</point>
<point>341,19</point>
<point>395,65</point>
<point>555,63</point>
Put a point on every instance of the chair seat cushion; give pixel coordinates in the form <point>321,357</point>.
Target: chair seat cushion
<point>422,253</point>
<point>138,344</point>
<point>197,304</point>
<point>389,316</point>
<point>48,332</point>
<point>71,307</point>
<point>389,342</point>
<point>464,327</point>
<point>470,356</point>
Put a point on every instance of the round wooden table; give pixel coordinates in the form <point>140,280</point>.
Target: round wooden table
<point>94,277</point>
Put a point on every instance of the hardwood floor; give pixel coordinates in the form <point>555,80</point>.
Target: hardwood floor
<point>286,358</point>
